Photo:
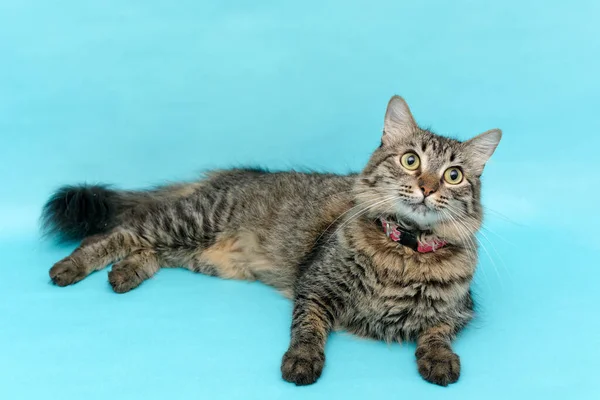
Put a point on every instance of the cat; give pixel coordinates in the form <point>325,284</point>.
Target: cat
<point>388,253</point>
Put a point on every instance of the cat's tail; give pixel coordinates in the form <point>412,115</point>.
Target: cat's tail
<point>74,212</point>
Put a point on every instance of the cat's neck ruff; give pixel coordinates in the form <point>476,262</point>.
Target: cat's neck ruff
<point>410,239</point>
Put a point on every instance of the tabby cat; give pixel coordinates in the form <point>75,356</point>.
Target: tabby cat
<point>388,253</point>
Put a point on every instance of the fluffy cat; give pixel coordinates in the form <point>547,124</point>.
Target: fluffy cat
<point>388,253</point>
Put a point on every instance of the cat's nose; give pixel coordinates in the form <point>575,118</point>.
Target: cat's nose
<point>427,190</point>
<point>428,184</point>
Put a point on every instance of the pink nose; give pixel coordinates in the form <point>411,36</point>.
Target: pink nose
<point>427,190</point>
<point>428,184</point>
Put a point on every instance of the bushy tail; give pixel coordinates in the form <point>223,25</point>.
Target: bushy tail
<point>74,212</point>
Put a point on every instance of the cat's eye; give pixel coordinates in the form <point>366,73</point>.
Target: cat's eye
<point>410,161</point>
<point>453,176</point>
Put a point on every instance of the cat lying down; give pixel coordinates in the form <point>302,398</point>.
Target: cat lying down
<point>388,253</point>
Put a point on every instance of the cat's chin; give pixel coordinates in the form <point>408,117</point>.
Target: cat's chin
<point>418,214</point>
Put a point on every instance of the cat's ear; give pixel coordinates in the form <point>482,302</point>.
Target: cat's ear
<point>481,147</point>
<point>399,121</point>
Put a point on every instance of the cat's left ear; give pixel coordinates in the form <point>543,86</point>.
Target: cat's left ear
<point>481,147</point>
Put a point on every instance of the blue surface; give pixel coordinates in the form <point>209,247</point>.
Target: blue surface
<point>140,92</point>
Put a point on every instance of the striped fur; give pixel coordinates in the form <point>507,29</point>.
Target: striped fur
<point>310,235</point>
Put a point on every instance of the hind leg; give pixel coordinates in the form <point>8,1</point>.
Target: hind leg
<point>222,270</point>
<point>92,255</point>
<point>225,259</point>
<point>133,270</point>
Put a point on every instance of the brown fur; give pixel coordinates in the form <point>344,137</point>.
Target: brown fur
<point>233,257</point>
<point>312,236</point>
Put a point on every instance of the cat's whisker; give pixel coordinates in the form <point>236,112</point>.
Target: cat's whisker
<point>502,216</point>
<point>360,213</point>
<point>464,215</point>
<point>487,229</point>
<point>491,260</point>
<point>463,235</point>
<point>461,227</point>
<point>461,214</point>
<point>368,204</point>
<point>502,263</point>
<point>341,216</point>
<point>353,190</point>
<point>470,246</point>
<point>467,237</point>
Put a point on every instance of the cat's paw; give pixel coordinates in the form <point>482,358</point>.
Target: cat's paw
<point>438,365</point>
<point>66,272</point>
<point>302,365</point>
<point>123,277</point>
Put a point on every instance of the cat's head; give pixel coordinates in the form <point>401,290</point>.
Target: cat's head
<point>426,181</point>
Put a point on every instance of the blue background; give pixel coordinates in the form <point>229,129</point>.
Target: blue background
<point>141,92</point>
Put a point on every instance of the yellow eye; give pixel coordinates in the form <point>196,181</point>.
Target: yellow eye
<point>410,161</point>
<point>453,176</point>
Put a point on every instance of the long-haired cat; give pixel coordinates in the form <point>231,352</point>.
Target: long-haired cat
<point>388,253</point>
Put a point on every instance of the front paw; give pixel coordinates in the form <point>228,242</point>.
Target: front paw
<point>438,365</point>
<point>302,365</point>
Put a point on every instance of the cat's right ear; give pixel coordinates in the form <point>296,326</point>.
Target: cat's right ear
<point>399,121</point>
